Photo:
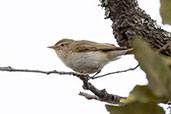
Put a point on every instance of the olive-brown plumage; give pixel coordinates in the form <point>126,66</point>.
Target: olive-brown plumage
<point>85,56</point>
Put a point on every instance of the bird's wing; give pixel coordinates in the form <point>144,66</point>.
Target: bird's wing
<point>108,47</point>
<point>83,46</point>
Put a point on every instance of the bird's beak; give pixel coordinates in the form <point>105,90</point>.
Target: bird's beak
<point>52,47</point>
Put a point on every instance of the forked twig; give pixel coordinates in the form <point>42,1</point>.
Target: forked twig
<point>100,76</point>
<point>10,69</point>
<point>101,95</point>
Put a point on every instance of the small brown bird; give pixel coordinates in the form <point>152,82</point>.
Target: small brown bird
<point>87,57</point>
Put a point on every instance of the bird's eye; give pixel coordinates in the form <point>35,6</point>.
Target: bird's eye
<point>62,45</point>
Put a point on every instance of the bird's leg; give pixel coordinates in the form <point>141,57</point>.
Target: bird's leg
<point>95,74</point>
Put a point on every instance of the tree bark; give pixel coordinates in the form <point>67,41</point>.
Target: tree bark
<point>130,21</point>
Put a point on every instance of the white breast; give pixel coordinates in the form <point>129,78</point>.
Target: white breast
<point>86,62</point>
<point>89,62</point>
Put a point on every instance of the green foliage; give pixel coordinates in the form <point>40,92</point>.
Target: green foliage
<point>143,94</point>
<point>145,98</point>
<point>136,108</point>
<point>158,72</point>
<point>165,11</point>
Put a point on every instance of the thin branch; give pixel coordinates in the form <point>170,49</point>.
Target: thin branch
<point>10,69</point>
<point>101,95</point>
<point>88,96</point>
<point>94,97</point>
<point>130,69</point>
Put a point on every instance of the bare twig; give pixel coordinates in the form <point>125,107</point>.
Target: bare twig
<point>101,95</point>
<point>130,69</point>
<point>116,98</point>
<point>10,69</point>
<point>88,96</point>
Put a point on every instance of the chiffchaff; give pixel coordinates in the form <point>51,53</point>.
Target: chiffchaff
<point>87,57</point>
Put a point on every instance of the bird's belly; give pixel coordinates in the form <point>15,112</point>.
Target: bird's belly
<point>87,62</point>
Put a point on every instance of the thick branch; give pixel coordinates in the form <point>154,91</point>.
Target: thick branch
<point>130,21</point>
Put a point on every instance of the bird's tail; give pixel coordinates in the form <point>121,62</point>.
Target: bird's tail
<point>115,54</point>
<point>129,51</point>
